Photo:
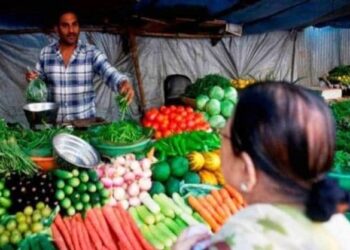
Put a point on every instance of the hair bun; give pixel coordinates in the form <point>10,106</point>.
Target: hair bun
<point>323,199</point>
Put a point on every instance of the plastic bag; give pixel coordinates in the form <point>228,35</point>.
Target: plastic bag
<point>36,91</point>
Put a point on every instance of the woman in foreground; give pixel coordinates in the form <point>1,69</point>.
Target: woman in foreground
<point>277,150</point>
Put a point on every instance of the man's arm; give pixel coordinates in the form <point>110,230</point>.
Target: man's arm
<point>111,76</point>
<point>38,72</point>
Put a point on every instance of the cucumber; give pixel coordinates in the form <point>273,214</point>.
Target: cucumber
<point>79,206</point>
<point>84,177</point>
<point>198,217</point>
<point>75,172</point>
<point>147,200</point>
<point>93,175</point>
<point>145,215</point>
<point>68,190</point>
<point>173,226</point>
<point>60,184</point>
<point>74,182</point>
<point>71,211</point>
<point>4,202</point>
<point>159,217</point>
<point>167,231</point>
<point>146,232</point>
<point>188,219</point>
<point>181,203</point>
<point>135,216</point>
<point>59,195</point>
<point>168,212</point>
<point>161,236</point>
<point>180,223</point>
<point>63,174</point>
<point>91,187</point>
<point>66,203</point>
<point>82,188</point>
<point>170,203</point>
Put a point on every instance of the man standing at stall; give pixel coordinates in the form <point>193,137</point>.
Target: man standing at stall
<point>68,67</point>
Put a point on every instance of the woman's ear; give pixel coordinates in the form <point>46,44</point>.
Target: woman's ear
<point>249,172</point>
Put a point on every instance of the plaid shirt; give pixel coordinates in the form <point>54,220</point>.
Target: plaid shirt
<point>72,86</point>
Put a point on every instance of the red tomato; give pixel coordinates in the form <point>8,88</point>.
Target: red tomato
<point>155,126</point>
<point>172,126</point>
<point>163,126</point>
<point>189,109</point>
<point>182,125</point>
<point>157,135</point>
<point>172,107</point>
<point>190,124</point>
<point>160,118</point>
<point>180,108</point>
<point>178,119</point>
<point>147,124</point>
<point>167,133</point>
<point>162,109</point>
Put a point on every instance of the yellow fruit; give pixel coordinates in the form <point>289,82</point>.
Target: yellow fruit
<point>220,177</point>
<point>196,160</point>
<point>212,161</point>
<point>208,177</point>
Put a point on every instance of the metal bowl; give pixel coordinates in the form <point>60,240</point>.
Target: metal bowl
<point>41,113</point>
<point>75,151</point>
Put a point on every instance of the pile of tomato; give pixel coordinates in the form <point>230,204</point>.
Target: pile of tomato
<point>169,120</point>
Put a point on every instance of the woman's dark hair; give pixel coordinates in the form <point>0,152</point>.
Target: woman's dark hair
<point>289,133</point>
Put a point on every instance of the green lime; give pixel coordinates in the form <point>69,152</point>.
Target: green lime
<point>2,229</point>
<point>75,172</point>
<point>28,210</point>
<point>79,206</point>
<point>93,175</point>
<point>82,188</point>
<point>66,203</point>
<point>23,227</point>
<point>59,195</point>
<point>84,177</point>
<point>36,217</point>
<point>37,227</point>
<point>40,205</point>
<point>68,190</point>
<point>74,182</point>
<point>92,188</point>
<point>99,186</point>
<point>105,193</point>
<point>2,185</point>
<point>71,211</point>
<point>85,198</point>
<point>11,225</point>
<point>87,206</point>
<point>4,239</point>
<point>6,193</point>
<point>46,212</point>
<point>21,218</point>
<point>60,184</point>
<point>15,238</point>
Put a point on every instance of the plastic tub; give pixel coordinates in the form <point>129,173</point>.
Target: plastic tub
<point>45,163</point>
<point>343,179</point>
<point>112,150</point>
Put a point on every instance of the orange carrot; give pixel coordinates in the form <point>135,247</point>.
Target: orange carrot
<point>139,237</point>
<point>127,229</point>
<point>232,206</point>
<point>210,199</point>
<point>58,238</point>
<point>218,197</point>
<point>86,235</point>
<point>74,233</point>
<point>64,230</point>
<point>96,223</point>
<point>234,194</point>
<point>204,213</point>
<point>83,242</point>
<point>211,210</point>
<point>93,235</point>
<point>226,210</point>
<point>116,226</point>
<point>101,219</point>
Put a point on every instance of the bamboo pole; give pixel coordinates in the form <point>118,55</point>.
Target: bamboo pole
<point>135,60</point>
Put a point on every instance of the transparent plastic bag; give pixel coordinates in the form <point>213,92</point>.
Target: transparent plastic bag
<point>36,91</point>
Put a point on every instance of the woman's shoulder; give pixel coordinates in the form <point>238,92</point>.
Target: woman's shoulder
<point>265,226</point>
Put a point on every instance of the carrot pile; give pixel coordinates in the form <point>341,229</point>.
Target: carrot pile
<point>103,228</point>
<point>216,207</point>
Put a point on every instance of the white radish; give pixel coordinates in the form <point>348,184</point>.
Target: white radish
<point>118,181</point>
<point>134,201</point>
<point>135,166</point>
<point>129,177</point>
<point>100,171</point>
<point>120,159</point>
<point>145,184</point>
<point>133,189</point>
<point>145,163</point>
<point>107,182</point>
<point>130,157</point>
<point>138,174</point>
<point>147,200</point>
<point>110,172</point>
<point>147,173</point>
<point>119,194</point>
<point>112,202</point>
<point>120,171</point>
<point>125,204</point>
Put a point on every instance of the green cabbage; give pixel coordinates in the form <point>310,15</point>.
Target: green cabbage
<point>227,108</point>
<point>216,93</point>
<point>36,91</point>
<point>213,107</point>
<point>217,121</point>
<point>231,94</point>
<point>201,101</point>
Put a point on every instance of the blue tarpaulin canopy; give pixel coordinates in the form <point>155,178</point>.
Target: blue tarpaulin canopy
<point>256,16</point>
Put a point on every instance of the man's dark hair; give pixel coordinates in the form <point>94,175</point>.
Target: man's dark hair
<point>64,10</point>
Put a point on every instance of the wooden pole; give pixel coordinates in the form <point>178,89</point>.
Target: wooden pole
<point>135,60</point>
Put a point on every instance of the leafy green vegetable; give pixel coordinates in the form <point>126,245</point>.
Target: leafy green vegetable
<point>342,162</point>
<point>213,107</point>
<point>36,91</point>
<point>231,94</point>
<point>201,101</point>
<point>217,121</point>
<point>227,107</point>
<point>216,93</point>
<point>122,102</point>
<point>121,133</point>
<point>203,85</point>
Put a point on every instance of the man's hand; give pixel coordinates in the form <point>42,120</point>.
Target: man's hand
<point>126,89</point>
<point>31,75</point>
